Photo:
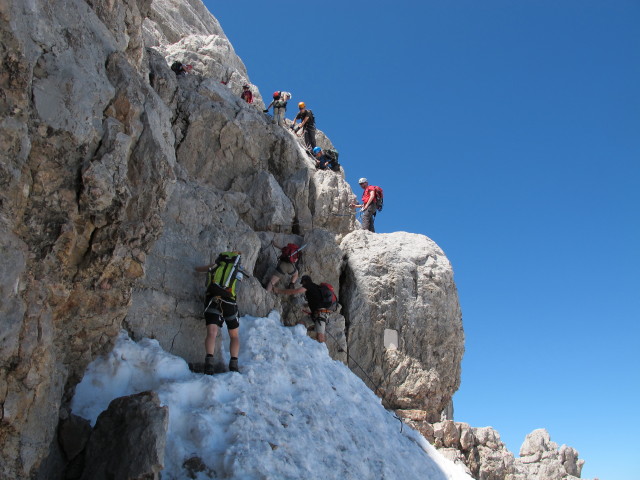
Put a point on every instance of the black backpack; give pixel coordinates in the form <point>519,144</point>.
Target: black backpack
<point>176,67</point>
<point>333,155</point>
<point>312,120</point>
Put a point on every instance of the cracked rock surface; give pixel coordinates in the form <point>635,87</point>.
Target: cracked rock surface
<point>119,177</point>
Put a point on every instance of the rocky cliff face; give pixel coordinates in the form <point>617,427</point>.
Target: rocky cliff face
<point>117,178</point>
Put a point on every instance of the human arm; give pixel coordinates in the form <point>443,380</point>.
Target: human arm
<point>289,291</point>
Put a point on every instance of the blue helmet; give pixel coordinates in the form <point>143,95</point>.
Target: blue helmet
<point>317,150</point>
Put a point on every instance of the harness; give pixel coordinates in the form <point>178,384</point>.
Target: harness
<point>218,311</point>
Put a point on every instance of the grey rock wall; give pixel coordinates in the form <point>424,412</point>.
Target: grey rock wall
<point>117,178</point>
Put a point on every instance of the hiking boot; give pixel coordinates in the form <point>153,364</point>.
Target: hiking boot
<point>209,368</point>
<point>233,365</point>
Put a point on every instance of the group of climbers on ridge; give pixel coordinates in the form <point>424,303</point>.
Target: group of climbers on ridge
<point>325,159</point>
<point>220,304</point>
<point>224,273</point>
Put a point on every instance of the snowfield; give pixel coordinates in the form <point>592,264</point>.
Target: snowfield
<point>292,412</point>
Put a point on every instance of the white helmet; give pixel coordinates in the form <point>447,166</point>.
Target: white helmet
<point>363,180</point>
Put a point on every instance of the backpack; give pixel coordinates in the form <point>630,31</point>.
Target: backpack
<point>333,155</point>
<point>290,253</point>
<point>379,197</point>
<point>312,120</point>
<point>176,67</point>
<point>329,299</point>
<point>222,277</point>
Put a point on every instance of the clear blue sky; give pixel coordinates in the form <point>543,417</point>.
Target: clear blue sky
<point>508,132</point>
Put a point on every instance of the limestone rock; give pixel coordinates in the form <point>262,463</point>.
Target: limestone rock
<point>486,457</point>
<point>73,434</point>
<point>403,282</point>
<point>119,177</point>
<point>541,458</point>
<point>167,303</point>
<point>75,100</point>
<point>194,37</point>
<point>128,440</point>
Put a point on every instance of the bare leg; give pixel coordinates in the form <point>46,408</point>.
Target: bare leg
<point>210,340</point>
<point>272,283</point>
<point>234,342</point>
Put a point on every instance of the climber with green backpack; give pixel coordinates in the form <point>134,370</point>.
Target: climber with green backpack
<point>322,301</point>
<point>220,306</point>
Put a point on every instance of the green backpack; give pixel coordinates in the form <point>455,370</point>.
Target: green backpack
<point>222,277</point>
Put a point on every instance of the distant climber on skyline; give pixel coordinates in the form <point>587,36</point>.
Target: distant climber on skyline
<point>246,94</point>
<point>279,103</point>
<point>326,159</point>
<point>371,204</point>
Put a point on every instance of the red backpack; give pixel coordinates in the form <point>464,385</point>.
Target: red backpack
<point>379,197</point>
<point>329,299</point>
<point>290,253</point>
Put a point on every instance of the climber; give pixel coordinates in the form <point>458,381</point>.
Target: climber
<point>287,265</point>
<point>180,68</point>
<point>246,94</point>
<point>279,103</point>
<point>314,295</point>
<point>308,125</point>
<point>371,204</point>
<point>326,159</point>
<point>220,306</point>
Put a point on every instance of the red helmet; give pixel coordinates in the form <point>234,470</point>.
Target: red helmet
<point>276,95</point>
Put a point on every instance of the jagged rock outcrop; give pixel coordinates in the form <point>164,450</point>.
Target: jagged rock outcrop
<point>128,440</point>
<point>117,178</point>
<point>185,31</point>
<point>541,459</point>
<point>92,124</point>
<point>485,457</point>
<point>75,107</point>
<point>403,282</point>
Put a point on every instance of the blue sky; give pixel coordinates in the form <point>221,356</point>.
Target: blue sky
<point>509,133</point>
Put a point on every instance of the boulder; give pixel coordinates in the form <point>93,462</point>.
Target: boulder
<point>403,282</point>
<point>541,459</point>
<point>128,440</point>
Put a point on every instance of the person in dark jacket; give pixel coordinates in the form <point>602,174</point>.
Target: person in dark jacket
<point>313,296</point>
<point>308,125</point>
<point>326,159</point>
